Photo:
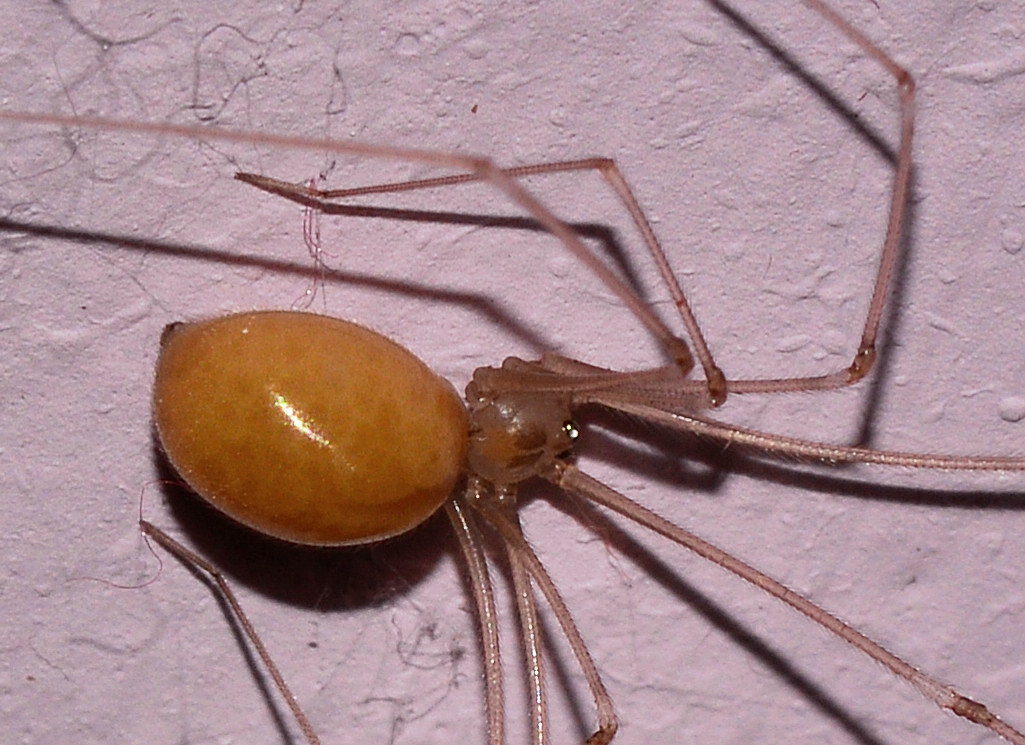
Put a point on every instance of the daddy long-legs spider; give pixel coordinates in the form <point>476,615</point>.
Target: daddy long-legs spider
<point>117,302</point>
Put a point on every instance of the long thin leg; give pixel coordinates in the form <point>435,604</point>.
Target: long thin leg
<point>512,536</point>
<point>575,481</point>
<point>661,397</point>
<point>715,379</point>
<point>470,542</point>
<point>530,631</point>
<point>765,443</point>
<point>193,559</point>
<point>482,168</point>
<point>609,171</point>
<point>717,385</point>
<point>898,195</point>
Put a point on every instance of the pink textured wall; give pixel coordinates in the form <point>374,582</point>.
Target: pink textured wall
<point>771,208</point>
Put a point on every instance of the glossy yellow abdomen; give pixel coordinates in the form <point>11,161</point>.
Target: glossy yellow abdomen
<point>308,428</point>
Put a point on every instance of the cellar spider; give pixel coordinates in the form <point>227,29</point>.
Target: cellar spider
<point>85,647</point>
